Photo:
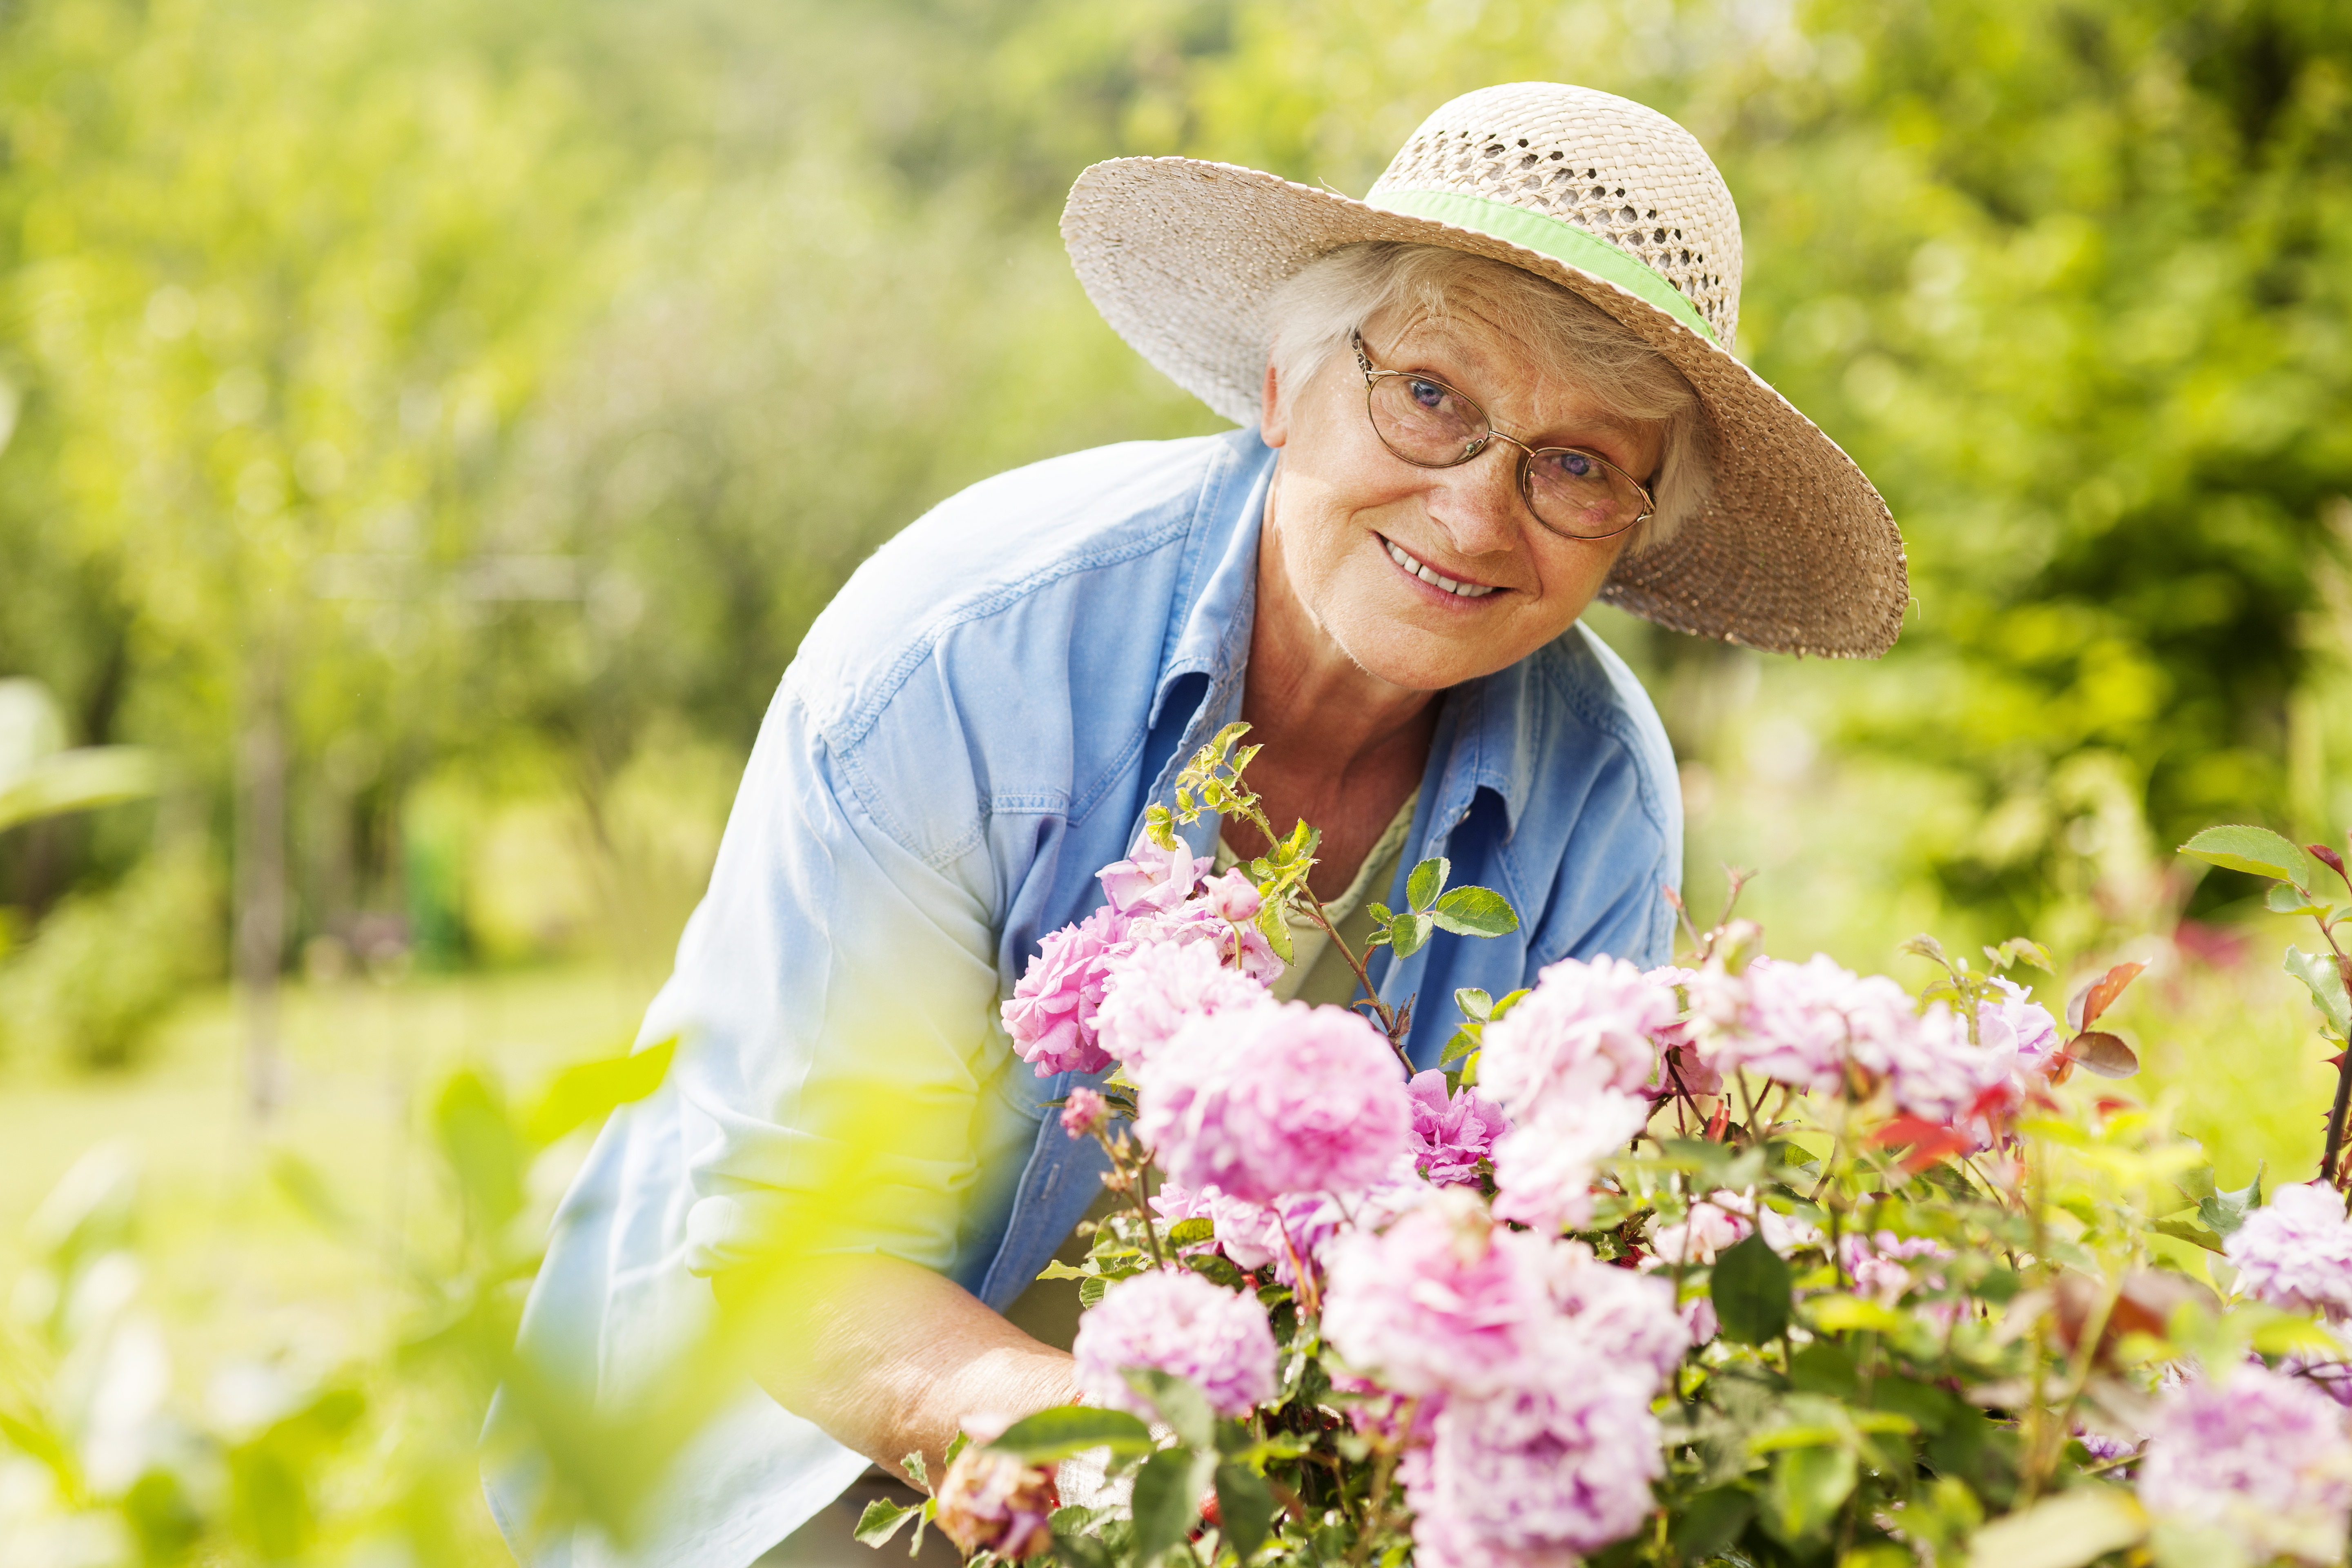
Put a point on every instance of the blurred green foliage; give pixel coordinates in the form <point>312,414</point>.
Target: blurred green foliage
<point>471,395</point>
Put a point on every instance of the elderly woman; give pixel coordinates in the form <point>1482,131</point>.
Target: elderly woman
<point>1497,389</point>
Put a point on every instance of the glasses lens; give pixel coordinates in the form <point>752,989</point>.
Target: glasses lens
<point>1577,494</point>
<point>1425,422</point>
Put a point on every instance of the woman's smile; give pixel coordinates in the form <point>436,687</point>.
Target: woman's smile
<point>1454,590</point>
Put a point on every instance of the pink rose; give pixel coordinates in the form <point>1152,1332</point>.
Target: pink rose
<point>1051,1014</point>
<point>1234,897</point>
<point>1442,1301</point>
<point>1274,1099</point>
<point>1158,988</point>
<point>1086,1112</point>
<point>992,1501</point>
<point>1152,881</point>
<point>1451,1136</point>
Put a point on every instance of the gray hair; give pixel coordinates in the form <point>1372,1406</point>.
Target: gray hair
<point>1313,311</point>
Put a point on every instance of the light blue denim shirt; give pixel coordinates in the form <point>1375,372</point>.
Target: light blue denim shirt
<point>971,729</point>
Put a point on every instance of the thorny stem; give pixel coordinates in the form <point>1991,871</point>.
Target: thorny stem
<point>2343,1066</point>
<point>1136,1185</point>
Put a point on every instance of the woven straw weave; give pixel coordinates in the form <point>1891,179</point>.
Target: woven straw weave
<point>1795,551</point>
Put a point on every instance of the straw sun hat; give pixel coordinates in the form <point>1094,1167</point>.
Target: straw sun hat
<point>1794,552</point>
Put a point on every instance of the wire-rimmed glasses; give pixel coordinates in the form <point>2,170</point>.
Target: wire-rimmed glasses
<point>1574,493</point>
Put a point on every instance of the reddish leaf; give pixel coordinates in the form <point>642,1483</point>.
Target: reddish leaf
<point>2109,1104</point>
<point>2100,994</point>
<point>2103,1054</point>
<point>2331,860</point>
<point>1930,1141</point>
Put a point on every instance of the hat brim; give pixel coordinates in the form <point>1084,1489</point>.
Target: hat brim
<point>1795,551</point>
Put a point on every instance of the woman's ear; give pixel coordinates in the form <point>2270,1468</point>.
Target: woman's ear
<point>1274,420</point>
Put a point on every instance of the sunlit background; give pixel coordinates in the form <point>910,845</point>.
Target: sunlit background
<point>426,430</point>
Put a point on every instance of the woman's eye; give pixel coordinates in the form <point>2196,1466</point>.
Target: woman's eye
<point>1575,465</point>
<point>1428,394</point>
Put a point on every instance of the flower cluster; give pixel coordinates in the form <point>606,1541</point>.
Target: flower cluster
<point>1113,984</point>
<point>2297,1253</point>
<point>2263,1459</point>
<point>1274,1099</point>
<point>1177,1323</point>
<point>992,1502</point>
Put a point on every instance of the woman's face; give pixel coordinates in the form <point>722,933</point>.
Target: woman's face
<point>1346,508</point>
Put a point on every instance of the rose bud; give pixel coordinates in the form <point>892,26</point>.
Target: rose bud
<point>991,1501</point>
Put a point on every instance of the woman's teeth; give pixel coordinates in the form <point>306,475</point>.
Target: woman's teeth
<point>1429,574</point>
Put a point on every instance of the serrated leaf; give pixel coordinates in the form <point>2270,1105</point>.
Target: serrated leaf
<point>2189,1231</point>
<point>881,1521</point>
<point>1428,879</point>
<point>1062,1430</point>
<point>1407,932</point>
<point>2096,1051</point>
<point>1246,1507</point>
<point>916,1471</point>
<point>1191,1232</point>
<point>2320,976</point>
<point>2224,1212</point>
<point>1462,1043</point>
<point>2021,950</point>
<point>1475,912</point>
<point>2256,850</point>
<point>1275,928</point>
<point>1474,1003</point>
<point>1750,1288</point>
<point>1509,1001</point>
<point>2084,1008</point>
<point>2286,899</point>
<point>1168,1499</point>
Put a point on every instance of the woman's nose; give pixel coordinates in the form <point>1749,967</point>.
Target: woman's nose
<point>1477,504</point>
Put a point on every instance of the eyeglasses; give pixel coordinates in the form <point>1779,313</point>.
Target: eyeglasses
<point>1574,493</point>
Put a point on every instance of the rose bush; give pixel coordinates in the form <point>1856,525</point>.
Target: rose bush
<point>1740,1261</point>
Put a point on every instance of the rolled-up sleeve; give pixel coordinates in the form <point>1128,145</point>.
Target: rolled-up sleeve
<point>833,1002</point>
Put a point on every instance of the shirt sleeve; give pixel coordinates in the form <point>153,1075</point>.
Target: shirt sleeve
<point>839,1064</point>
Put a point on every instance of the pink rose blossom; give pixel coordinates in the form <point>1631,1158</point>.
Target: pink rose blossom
<point>1255,1235</point>
<point>1544,1169</point>
<point>2018,1023</point>
<point>1275,1100</point>
<point>1194,923</point>
<point>1051,1014</point>
<point>1232,896</point>
<point>1585,1027</point>
<point>990,1501</point>
<point>1721,1219</point>
<point>1152,991</point>
<point>1626,1318</point>
<point>1152,881</point>
<point>1538,1475</point>
<point>2263,1459</point>
<point>1445,1300</point>
<point>2297,1254</point>
<point>1882,1265</point>
<point>1938,1076</point>
<point>1173,1320</point>
<point>1085,1112</point>
<point>1450,1136</point>
<point>1799,1024</point>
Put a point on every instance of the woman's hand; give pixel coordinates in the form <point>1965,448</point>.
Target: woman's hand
<point>889,1358</point>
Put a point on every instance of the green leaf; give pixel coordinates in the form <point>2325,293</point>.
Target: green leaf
<point>1807,1488</point>
<point>2319,976</point>
<point>2257,851</point>
<point>1428,878</point>
<point>1475,912</point>
<point>1509,1001</point>
<point>917,1472</point>
<point>2286,899</point>
<point>881,1521</point>
<point>1275,928</point>
<point>1407,932</point>
<point>1381,914</point>
<point>1065,1429</point>
<point>2190,1232</point>
<point>1462,1043</point>
<point>1191,1232</point>
<point>2021,950</point>
<point>1246,1507</point>
<point>591,1090</point>
<point>2223,1213</point>
<point>479,1140</point>
<point>1710,1521</point>
<point>1180,1403</point>
<point>1474,1003</point>
<point>1750,1288</point>
<point>1168,1499</point>
<point>2063,1531</point>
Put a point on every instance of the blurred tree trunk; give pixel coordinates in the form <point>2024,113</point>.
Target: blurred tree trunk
<point>261,880</point>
